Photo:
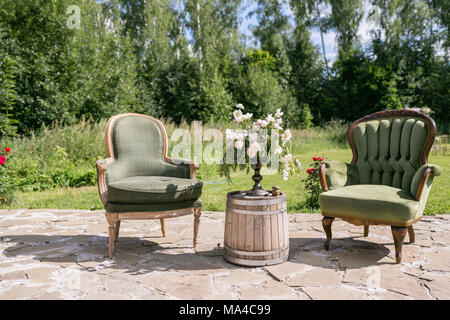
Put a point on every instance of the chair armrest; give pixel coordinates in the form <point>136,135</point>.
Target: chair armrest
<point>184,162</point>
<point>333,174</point>
<point>422,179</point>
<point>101,178</point>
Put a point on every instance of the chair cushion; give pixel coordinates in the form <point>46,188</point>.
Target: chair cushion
<point>112,207</point>
<point>153,189</point>
<point>366,201</point>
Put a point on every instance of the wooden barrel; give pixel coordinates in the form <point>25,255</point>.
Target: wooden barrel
<point>256,230</point>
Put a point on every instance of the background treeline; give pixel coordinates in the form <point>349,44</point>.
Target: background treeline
<point>178,59</point>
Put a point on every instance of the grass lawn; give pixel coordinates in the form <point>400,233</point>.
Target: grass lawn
<point>215,187</point>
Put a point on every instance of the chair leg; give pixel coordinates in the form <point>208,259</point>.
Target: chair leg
<point>111,238</point>
<point>412,235</point>
<point>112,230</point>
<point>163,227</point>
<point>399,234</point>
<point>197,214</point>
<point>366,231</point>
<point>326,223</point>
<point>116,232</point>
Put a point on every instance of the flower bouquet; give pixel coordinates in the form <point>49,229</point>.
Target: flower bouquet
<point>255,143</point>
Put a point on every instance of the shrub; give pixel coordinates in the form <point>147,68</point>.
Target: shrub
<point>312,184</point>
<point>6,188</point>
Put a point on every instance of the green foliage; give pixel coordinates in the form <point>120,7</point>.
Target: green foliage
<point>187,60</point>
<point>57,156</point>
<point>6,186</point>
<point>361,88</point>
<point>8,94</point>
<point>312,184</point>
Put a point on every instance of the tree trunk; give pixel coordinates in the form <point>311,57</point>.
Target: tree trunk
<point>323,42</point>
<point>199,37</point>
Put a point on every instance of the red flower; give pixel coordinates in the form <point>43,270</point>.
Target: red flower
<point>8,150</point>
<point>311,171</point>
<point>317,158</point>
<point>2,157</point>
<point>2,162</point>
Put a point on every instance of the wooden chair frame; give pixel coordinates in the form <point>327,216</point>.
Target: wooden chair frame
<point>114,218</point>
<point>398,230</point>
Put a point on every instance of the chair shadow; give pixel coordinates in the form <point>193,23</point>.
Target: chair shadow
<point>131,254</point>
<point>349,252</point>
<point>138,256</point>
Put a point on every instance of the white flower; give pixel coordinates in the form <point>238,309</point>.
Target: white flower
<point>279,113</point>
<point>264,123</point>
<point>230,134</point>
<point>237,114</point>
<point>256,127</point>
<point>240,106</point>
<point>287,134</point>
<point>239,144</point>
<point>239,136</point>
<point>277,126</point>
<point>298,164</point>
<point>253,149</point>
<point>287,158</point>
<point>279,121</point>
<point>247,116</point>
<point>270,118</point>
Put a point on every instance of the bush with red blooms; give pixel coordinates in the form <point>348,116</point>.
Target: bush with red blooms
<point>6,192</point>
<point>312,183</point>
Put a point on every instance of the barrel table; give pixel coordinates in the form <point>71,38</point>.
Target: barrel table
<point>256,229</point>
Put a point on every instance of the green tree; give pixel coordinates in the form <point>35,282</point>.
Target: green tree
<point>8,94</point>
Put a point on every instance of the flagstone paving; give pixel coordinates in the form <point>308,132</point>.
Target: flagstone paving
<point>62,254</point>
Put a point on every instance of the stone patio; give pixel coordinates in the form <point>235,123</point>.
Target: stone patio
<point>62,254</point>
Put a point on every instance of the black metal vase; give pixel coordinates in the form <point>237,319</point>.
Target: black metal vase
<point>257,190</point>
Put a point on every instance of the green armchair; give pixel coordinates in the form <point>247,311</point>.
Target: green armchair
<point>389,178</point>
<point>139,181</point>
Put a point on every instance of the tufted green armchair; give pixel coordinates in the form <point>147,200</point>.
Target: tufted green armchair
<point>389,178</point>
<point>138,180</point>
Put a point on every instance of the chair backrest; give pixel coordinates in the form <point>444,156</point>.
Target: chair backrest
<point>389,146</point>
<point>137,143</point>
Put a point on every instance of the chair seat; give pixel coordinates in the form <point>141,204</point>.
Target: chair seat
<point>367,201</point>
<point>153,189</point>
